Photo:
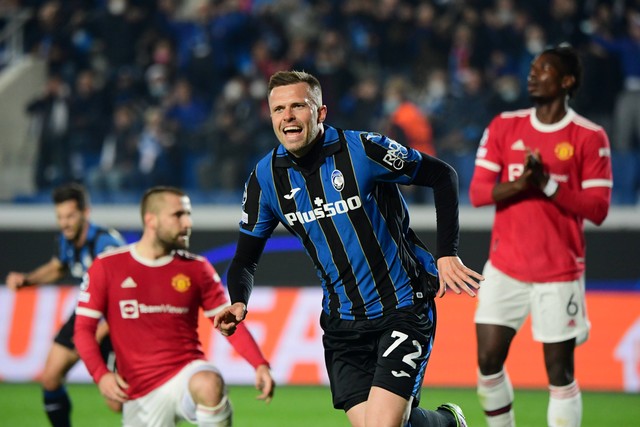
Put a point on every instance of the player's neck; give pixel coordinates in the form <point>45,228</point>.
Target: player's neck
<point>149,249</point>
<point>82,236</point>
<point>551,112</point>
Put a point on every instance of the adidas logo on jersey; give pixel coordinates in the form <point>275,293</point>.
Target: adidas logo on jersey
<point>128,283</point>
<point>518,145</point>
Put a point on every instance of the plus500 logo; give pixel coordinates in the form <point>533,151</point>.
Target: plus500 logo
<point>326,210</point>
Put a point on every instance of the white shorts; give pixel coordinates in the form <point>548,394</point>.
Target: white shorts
<point>167,404</point>
<point>558,309</point>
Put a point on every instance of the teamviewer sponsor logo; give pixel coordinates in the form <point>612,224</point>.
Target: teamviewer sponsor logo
<point>129,309</point>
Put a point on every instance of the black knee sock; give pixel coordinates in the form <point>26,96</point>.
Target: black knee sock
<point>421,417</point>
<point>58,407</point>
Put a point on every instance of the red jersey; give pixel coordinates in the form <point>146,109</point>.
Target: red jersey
<point>535,238</point>
<point>152,308</point>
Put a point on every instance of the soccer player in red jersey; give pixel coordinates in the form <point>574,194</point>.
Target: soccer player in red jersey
<point>546,169</point>
<point>150,293</point>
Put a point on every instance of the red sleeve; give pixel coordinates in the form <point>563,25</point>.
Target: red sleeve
<point>592,204</point>
<point>593,198</point>
<point>488,166</point>
<point>87,346</point>
<point>481,188</point>
<point>88,314</point>
<point>243,342</point>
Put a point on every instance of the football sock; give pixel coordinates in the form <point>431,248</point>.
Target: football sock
<point>421,417</point>
<point>495,393</point>
<point>565,406</point>
<point>58,407</point>
<point>216,416</point>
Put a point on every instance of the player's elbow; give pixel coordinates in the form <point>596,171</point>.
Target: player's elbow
<point>599,212</point>
<point>479,195</point>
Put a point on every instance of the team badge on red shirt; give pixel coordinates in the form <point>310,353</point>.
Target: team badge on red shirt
<point>564,150</point>
<point>181,283</point>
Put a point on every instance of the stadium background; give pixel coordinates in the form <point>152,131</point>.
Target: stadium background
<point>349,44</point>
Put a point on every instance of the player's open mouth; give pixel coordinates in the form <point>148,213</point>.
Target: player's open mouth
<point>292,130</point>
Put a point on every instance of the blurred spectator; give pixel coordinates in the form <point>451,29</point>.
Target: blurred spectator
<point>86,127</point>
<point>238,132</point>
<point>466,115</point>
<point>363,104</point>
<point>331,69</point>
<point>433,100</point>
<point>50,115</point>
<point>156,164</point>
<point>406,124</point>
<point>626,115</point>
<point>115,171</point>
<point>507,95</point>
<point>118,28</point>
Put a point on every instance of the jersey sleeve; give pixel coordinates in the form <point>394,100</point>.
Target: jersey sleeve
<point>257,217</point>
<point>244,343</point>
<point>593,199</point>
<point>389,160</point>
<point>91,305</point>
<point>214,296</point>
<point>488,166</point>
<point>596,165</point>
<point>108,241</point>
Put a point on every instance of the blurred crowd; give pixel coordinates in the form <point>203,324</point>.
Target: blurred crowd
<point>146,92</point>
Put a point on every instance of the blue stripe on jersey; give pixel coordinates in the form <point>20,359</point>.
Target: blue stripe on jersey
<point>350,217</point>
<point>78,260</point>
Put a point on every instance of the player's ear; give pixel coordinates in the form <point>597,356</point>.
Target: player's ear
<point>322,113</point>
<point>568,82</point>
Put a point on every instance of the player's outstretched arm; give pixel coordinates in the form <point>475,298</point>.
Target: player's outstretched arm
<point>228,319</point>
<point>265,383</point>
<point>454,274</point>
<point>46,273</point>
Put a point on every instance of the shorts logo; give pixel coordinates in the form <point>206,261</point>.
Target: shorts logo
<point>129,309</point>
<point>181,283</point>
<point>564,150</point>
<point>337,180</point>
<point>400,374</point>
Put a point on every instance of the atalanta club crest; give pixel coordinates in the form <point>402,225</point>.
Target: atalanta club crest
<point>337,180</point>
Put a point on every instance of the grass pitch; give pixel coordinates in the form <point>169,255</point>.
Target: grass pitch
<point>20,405</point>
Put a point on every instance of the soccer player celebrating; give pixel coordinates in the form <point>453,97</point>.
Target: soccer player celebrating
<point>78,243</point>
<point>150,293</point>
<point>546,169</point>
<point>337,192</point>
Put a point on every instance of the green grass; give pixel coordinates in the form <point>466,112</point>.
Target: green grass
<point>20,405</point>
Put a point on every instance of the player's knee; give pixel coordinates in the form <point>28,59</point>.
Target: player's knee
<point>50,381</point>
<point>489,363</point>
<point>207,388</point>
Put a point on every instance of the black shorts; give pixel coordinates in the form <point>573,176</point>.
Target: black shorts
<point>65,338</point>
<point>390,352</point>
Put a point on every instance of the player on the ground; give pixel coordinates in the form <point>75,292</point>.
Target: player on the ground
<point>78,243</point>
<point>150,293</point>
<point>546,169</point>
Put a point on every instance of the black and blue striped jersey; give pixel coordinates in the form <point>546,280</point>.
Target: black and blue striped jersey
<point>78,260</point>
<point>351,218</point>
